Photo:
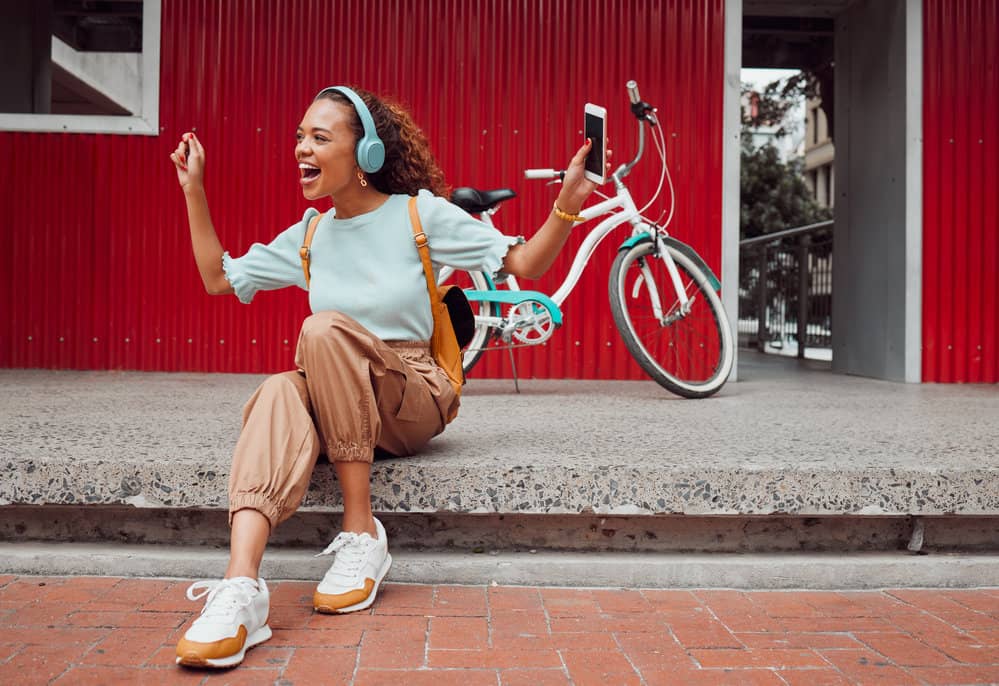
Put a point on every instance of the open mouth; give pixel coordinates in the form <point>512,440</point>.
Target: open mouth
<point>309,172</point>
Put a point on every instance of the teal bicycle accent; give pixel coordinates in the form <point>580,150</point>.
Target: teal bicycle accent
<point>682,247</point>
<point>518,298</point>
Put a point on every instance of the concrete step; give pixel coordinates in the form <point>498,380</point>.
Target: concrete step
<point>457,532</point>
<point>529,568</point>
<point>784,441</point>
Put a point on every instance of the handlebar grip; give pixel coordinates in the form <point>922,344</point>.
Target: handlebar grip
<point>632,87</point>
<point>540,173</point>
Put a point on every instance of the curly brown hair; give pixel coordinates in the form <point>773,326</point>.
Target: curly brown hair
<point>409,163</point>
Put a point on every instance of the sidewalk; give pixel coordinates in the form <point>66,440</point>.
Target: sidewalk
<point>102,630</point>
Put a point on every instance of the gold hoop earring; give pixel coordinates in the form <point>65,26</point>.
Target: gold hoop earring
<point>364,181</point>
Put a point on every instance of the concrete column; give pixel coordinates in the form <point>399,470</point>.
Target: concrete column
<point>874,269</point>
<point>731,126</point>
<point>914,191</point>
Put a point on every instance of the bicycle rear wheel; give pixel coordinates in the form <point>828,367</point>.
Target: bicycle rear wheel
<point>690,355</point>
<point>480,339</point>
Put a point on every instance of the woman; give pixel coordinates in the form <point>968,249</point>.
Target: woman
<point>364,377</point>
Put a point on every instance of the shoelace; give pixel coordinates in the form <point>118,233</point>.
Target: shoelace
<point>350,552</point>
<point>224,596</point>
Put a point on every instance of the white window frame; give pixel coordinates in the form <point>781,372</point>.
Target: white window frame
<point>145,122</point>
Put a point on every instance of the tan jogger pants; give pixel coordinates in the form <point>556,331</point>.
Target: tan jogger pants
<point>352,392</point>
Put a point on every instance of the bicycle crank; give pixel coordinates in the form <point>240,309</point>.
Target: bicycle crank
<point>529,323</point>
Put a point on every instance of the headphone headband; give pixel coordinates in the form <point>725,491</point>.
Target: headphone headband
<point>370,150</point>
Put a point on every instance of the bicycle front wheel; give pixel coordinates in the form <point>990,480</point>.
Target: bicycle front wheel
<point>480,339</point>
<point>688,354</point>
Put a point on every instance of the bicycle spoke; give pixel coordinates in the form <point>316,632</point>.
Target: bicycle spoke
<point>683,348</point>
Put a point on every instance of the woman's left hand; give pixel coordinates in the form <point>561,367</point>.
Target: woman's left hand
<point>576,188</point>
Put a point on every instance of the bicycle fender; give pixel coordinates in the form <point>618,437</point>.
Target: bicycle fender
<point>515,298</point>
<point>681,247</point>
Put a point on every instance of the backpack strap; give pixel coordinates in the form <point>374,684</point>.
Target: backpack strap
<point>305,252</point>
<point>422,246</point>
<point>444,346</point>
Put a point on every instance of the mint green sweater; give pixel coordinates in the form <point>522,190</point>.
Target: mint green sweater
<point>368,267</point>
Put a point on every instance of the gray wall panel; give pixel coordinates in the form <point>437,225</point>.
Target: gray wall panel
<point>869,311</point>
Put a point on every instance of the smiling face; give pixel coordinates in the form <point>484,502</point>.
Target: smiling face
<point>325,150</point>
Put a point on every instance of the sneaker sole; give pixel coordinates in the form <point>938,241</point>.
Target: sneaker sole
<point>254,639</point>
<point>329,610</point>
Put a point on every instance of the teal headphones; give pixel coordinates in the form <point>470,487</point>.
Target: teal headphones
<point>370,150</point>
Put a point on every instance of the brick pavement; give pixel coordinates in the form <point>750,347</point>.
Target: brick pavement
<point>104,630</point>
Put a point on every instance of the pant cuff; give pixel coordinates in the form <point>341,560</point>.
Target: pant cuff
<point>346,451</point>
<point>255,501</point>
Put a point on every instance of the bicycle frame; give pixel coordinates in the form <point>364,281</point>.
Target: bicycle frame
<point>515,317</point>
<point>621,209</point>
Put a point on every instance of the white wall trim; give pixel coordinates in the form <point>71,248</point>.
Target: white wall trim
<point>731,127</point>
<point>146,122</point>
<point>115,75</point>
<point>914,191</point>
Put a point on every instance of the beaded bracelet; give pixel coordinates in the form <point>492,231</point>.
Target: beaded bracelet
<point>565,216</point>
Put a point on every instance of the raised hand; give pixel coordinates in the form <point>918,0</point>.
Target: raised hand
<point>189,159</point>
<point>576,188</point>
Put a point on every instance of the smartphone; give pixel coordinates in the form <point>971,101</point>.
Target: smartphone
<point>595,128</point>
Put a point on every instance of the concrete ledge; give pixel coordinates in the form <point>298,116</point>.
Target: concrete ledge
<point>518,532</point>
<point>648,570</point>
<point>784,441</point>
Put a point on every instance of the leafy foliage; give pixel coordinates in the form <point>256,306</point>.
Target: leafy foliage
<point>775,197</point>
<point>776,100</point>
<point>773,194</point>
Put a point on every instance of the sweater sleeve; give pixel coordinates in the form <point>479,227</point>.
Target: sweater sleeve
<point>459,240</point>
<point>269,267</point>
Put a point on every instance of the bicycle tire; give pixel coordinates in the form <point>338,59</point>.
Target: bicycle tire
<point>480,339</point>
<point>693,355</point>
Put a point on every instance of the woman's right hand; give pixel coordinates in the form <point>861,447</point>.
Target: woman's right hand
<point>189,159</point>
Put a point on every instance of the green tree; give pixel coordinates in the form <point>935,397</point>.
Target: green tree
<point>774,197</point>
<point>773,193</point>
<point>774,104</point>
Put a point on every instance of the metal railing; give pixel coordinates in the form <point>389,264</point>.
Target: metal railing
<point>778,298</point>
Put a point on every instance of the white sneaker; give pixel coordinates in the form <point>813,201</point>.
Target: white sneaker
<point>233,620</point>
<point>360,564</point>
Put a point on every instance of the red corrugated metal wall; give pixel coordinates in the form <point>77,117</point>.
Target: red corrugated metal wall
<point>97,267</point>
<point>961,191</point>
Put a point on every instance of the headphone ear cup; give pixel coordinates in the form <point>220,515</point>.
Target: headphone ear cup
<point>370,154</point>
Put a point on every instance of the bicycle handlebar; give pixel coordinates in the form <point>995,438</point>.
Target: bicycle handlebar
<point>642,110</point>
<point>633,95</point>
<point>544,174</point>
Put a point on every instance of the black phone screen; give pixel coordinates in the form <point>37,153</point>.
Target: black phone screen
<point>594,130</point>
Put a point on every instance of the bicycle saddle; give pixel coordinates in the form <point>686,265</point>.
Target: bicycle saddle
<point>476,201</point>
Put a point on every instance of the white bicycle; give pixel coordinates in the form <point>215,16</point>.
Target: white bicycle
<point>663,296</point>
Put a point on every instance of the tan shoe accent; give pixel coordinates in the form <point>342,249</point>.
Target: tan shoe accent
<point>331,604</point>
<point>195,654</point>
